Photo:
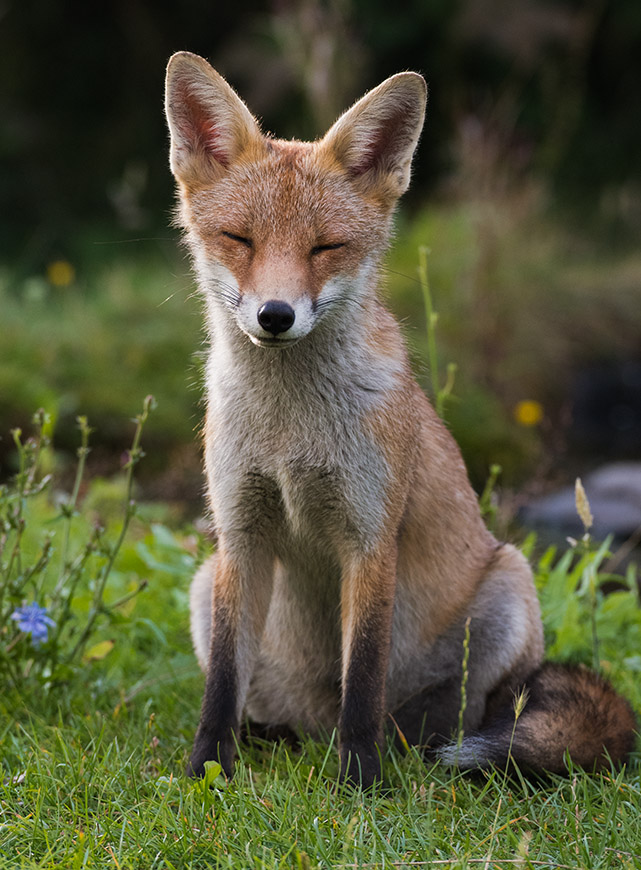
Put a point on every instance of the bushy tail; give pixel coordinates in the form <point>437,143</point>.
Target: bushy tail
<point>567,709</point>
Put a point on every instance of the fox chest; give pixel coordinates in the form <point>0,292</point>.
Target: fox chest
<point>296,479</point>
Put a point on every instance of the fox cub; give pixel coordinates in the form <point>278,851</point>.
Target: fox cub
<point>351,551</point>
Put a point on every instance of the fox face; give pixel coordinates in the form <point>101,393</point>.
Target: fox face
<point>286,235</point>
<point>281,248</point>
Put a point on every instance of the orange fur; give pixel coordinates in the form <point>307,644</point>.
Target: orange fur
<point>351,551</point>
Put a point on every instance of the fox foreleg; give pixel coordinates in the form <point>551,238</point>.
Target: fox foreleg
<point>367,602</point>
<point>240,600</point>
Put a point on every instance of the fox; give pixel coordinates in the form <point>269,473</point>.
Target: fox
<point>352,562</point>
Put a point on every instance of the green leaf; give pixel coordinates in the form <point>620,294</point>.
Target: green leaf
<point>98,651</point>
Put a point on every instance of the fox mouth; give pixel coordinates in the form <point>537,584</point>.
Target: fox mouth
<point>273,342</point>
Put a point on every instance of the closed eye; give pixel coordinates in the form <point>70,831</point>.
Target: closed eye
<point>242,240</point>
<point>318,249</point>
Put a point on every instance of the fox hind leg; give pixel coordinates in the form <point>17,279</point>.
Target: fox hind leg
<point>505,645</point>
<point>200,607</point>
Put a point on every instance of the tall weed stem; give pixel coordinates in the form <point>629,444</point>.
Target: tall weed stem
<point>69,508</point>
<point>439,394</point>
<point>464,679</point>
<point>135,454</point>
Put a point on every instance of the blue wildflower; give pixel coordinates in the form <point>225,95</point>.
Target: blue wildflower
<point>33,619</point>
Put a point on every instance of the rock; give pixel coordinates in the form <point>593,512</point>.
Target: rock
<point>614,493</point>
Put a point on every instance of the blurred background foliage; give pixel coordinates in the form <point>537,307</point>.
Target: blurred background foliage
<point>527,191</point>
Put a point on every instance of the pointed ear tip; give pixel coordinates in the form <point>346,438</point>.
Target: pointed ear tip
<point>410,87</point>
<point>413,80</point>
<point>183,60</point>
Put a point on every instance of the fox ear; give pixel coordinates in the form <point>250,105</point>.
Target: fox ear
<point>209,124</point>
<point>375,139</point>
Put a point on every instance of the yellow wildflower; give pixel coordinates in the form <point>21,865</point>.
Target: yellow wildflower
<point>61,273</point>
<point>528,412</point>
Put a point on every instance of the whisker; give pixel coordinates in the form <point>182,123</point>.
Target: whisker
<point>411,278</point>
<point>225,292</point>
<point>229,297</point>
<point>134,241</point>
<point>324,303</point>
<point>178,291</point>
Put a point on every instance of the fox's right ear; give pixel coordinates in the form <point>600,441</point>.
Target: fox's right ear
<point>209,124</point>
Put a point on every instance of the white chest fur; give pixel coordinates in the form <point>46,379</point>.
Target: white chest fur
<point>291,440</point>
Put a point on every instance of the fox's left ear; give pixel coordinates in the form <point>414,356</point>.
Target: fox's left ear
<point>375,139</point>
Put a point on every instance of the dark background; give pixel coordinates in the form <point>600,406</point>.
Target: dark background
<point>82,139</point>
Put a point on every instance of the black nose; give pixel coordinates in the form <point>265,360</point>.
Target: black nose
<point>276,316</point>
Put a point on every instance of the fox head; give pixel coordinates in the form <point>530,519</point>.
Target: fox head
<point>285,235</point>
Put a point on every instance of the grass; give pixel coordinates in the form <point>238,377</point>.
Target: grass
<point>105,789</point>
<point>92,762</point>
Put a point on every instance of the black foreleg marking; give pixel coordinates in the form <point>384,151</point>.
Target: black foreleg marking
<point>360,726</point>
<point>218,724</point>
